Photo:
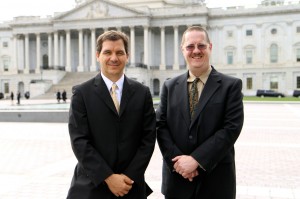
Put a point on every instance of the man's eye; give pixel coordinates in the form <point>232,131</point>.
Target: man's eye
<point>190,47</point>
<point>121,53</point>
<point>201,46</point>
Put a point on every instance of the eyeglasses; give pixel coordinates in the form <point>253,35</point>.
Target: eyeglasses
<point>191,47</point>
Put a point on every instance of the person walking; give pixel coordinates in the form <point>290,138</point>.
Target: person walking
<point>64,96</point>
<point>12,97</point>
<point>58,96</point>
<point>112,128</point>
<point>18,97</point>
<point>199,118</point>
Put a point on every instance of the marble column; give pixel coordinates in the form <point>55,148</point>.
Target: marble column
<point>93,66</point>
<point>50,62</point>
<point>15,55</point>
<point>80,51</point>
<point>258,59</point>
<point>239,61</point>
<point>162,49</point>
<point>56,50</point>
<point>132,46</point>
<point>62,50</point>
<point>176,46</point>
<point>38,53</point>
<point>146,42</point>
<point>68,51</point>
<point>26,67</point>
<point>86,50</point>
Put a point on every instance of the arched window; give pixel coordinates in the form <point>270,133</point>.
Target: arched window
<point>273,53</point>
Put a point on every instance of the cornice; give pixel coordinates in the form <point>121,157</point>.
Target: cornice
<point>216,13</point>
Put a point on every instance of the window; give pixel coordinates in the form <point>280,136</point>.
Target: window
<point>5,44</point>
<point>229,34</point>
<point>298,82</point>
<point>229,57</point>
<point>274,31</point>
<point>248,32</point>
<point>274,53</point>
<point>274,83</point>
<point>249,83</point>
<point>298,55</point>
<point>249,57</point>
<point>5,64</point>
<point>6,87</point>
<point>298,29</point>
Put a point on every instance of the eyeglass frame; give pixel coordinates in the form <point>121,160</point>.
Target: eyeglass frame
<point>191,47</point>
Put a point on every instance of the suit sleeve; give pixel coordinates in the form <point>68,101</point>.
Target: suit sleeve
<point>94,165</point>
<point>140,161</point>
<point>165,141</point>
<point>218,145</point>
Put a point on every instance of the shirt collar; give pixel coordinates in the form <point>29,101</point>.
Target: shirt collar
<point>203,77</point>
<point>109,83</point>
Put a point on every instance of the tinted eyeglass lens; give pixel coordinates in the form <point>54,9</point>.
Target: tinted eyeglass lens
<point>199,46</point>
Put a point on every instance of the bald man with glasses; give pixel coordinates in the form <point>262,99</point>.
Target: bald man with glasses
<point>199,118</point>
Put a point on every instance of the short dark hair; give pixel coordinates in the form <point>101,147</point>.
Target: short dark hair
<point>195,28</point>
<point>112,35</point>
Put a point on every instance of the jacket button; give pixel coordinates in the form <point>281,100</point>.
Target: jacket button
<point>190,137</point>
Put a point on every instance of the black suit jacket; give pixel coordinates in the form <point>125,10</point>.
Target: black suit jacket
<point>209,137</point>
<point>105,142</point>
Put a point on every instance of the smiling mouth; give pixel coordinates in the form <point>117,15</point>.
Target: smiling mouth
<point>197,56</point>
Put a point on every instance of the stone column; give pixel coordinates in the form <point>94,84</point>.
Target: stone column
<point>80,51</point>
<point>86,50</point>
<point>162,49</point>
<point>50,62</point>
<point>146,40</point>
<point>26,68</point>
<point>62,50</point>
<point>289,56</point>
<point>258,54</point>
<point>56,50</point>
<point>68,51</point>
<point>38,53</point>
<point>239,60</point>
<point>15,64</point>
<point>132,46</point>
<point>176,58</point>
<point>93,67</point>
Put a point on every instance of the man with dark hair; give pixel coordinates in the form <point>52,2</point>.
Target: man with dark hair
<point>112,128</point>
<point>199,118</point>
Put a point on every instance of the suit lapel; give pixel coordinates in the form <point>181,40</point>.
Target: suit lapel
<point>212,84</point>
<point>102,91</point>
<point>126,93</point>
<point>182,93</point>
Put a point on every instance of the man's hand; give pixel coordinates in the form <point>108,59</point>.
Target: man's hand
<point>119,184</point>
<point>186,166</point>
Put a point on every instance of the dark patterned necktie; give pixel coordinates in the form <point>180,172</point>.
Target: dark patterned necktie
<point>193,96</point>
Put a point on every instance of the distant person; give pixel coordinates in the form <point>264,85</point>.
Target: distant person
<point>18,97</point>
<point>58,96</point>
<point>12,97</point>
<point>199,118</point>
<point>112,128</point>
<point>64,96</point>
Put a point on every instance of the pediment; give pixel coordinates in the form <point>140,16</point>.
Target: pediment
<point>94,9</point>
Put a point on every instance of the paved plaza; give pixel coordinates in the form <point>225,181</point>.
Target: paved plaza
<point>37,161</point>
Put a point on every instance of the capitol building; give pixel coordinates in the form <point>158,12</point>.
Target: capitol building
<point>260,45</point>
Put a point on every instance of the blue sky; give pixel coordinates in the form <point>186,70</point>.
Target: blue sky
<point>12,8</point>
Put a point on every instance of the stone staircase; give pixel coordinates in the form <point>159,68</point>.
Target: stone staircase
<point>67,82</point>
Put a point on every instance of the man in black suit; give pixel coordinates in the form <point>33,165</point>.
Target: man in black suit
<point>112,128</point>
<point>197,139</point>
